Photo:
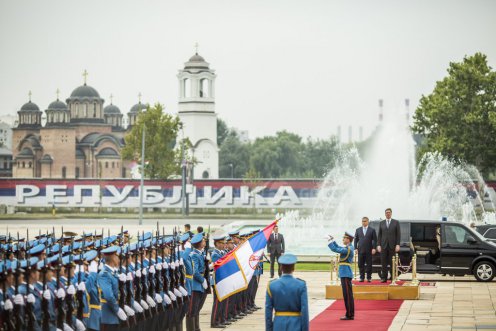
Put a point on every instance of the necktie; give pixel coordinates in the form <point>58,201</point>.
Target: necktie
<point>364,231</point>
<point>275,237</point>
<point>388,224</point>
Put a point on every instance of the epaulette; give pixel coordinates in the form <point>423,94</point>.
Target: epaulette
<point>300,279</point>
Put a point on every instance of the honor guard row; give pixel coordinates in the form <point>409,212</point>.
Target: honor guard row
<point>92,282</point>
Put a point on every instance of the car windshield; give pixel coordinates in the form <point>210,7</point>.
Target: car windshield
<point>477,235</point>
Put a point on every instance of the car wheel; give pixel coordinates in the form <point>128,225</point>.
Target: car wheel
<point>484,271</point>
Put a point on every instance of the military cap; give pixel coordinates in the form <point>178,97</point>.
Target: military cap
<point>234,233</point>
<point>38,249</point>
<point>68,259</point>
<point>287,258</point>
<point>90,255</point>
<point>349,235</point>
<point>110,250</point>
<point>197,238</point>
<point>145,236</point>
<point>42,264</point>
<point>54,249</point>
<point>184,237</point>
<point>219,238</point>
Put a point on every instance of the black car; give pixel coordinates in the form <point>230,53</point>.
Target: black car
<point>488,231</point>
<point>444,248</point>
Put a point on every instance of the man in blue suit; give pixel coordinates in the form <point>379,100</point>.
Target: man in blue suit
<point>287,296</point>
<point>345,272</point>
<point>365,243</point>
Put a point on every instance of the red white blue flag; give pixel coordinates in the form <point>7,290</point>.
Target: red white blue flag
<point>233,272</point>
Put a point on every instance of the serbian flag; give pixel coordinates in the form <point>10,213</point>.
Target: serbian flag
<point>233,272</point>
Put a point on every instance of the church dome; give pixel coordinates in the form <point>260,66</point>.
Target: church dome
<point>196,58</point>
<point>30,107</point>
<point>137,107</point>
<point>84,91</point>
<point>111,109</point>
<point>196,62</point>
<point>57,105</point>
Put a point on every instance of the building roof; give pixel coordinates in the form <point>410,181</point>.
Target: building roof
<point>108,152</point>
<point>111,109</point>
<point>84,91</point>
<point>196,62</point>
<point>30,107</point>
<point>5,151</point>
<point>137,107</point>
<point>26,152</point>
<point>57,105</point>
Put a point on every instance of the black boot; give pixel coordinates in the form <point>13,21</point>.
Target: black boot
<point>190,323</point>
<point>197,322</point>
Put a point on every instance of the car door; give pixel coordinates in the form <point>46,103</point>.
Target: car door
<point>457,253</point>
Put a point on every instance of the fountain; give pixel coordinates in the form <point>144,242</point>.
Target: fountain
<point>388,176</point>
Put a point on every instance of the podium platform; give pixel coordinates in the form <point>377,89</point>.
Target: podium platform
<point>376,290</point>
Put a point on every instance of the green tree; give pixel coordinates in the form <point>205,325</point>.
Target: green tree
<point>458,119</point>
<point>234,157</point>
<point>163,160</point>
<point>320,156</point>
<point>222,131</point>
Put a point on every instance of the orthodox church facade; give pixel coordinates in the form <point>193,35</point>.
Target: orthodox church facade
<point>83,139</point>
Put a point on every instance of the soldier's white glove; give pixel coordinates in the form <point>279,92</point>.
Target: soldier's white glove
<point>329,238</point>
<point>177,293</point>
<point>30,298</point>
<point>158,298</point>
<point>172,265</point>
<point>171,295</point>
<point>19,300</point>
<point>47,295</point>
<point>93,267</point>
<point>204,284</point>
<point>79,268</point>
<point>152,269</point>
<point>144,304</point>
<point>183,291</point>
<point>67,327</point>
<point>150,301</point>
<point>79,325</point>
<point>122,278</point>
<point>128,310</point>
<point>158,266</point>
<point>71,290</point>
<point>137,307</point>
<point>181,262</point>
<point>211,266</point>
<point>129,276</point>
<point>138,273</point>
<point>167,299</point>
<point>143,271</point>
<point>165,265</point>
<point>177,264</point>
<point>60,293</point>
<point>8,305</point>
<point>187,245</point>
<point>100,266</point>
<point>121,314</point>
<point>58,329</point>
<point>82,287</point>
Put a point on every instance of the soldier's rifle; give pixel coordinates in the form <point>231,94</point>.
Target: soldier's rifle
<point>60,301</point>
<point>19,321</point>
<point>45,325</point>
<point>69,297</point>
<point>80,294</point>
<point>27,273</point>
<point>206,273</point>
<point>7,320</point>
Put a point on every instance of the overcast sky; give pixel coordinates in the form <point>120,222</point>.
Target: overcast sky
<point>303,66</point>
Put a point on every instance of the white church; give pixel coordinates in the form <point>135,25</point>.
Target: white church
<point>197,113</point>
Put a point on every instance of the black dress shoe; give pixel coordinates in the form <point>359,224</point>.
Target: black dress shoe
<point>369,280</point>
<point>217,326</point>
<point>362,280</point>
<point>346,318</point>
<point>383,281</point>
<point>226,323</point>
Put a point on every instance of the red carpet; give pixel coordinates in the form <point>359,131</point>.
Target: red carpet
<point>370,315</point>
<point>377,282</point>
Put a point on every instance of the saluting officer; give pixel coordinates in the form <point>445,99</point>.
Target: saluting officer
<point>345,273</point>
<point>287,296</point>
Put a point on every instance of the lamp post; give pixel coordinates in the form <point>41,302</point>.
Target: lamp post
<point>142,183</point>
<point>232,169</point>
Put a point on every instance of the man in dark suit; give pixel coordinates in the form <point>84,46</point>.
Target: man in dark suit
<point>388,241</point>
<point>365,243</point>
<point>275,247</point>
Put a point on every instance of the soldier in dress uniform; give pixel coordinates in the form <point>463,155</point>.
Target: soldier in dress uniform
<point>286,301</point>
<point>217,319</point>
<point>199,284</point>
<point>108,281</point>
<point>345,272</point>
